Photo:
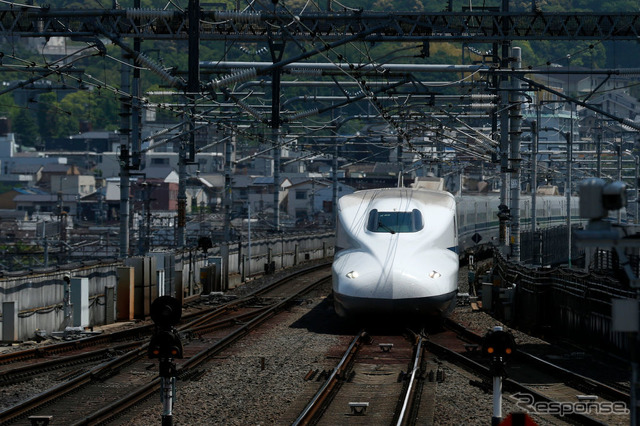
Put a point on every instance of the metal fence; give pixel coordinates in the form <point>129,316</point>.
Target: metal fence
<point>561,302</point>
<point>549,246</point>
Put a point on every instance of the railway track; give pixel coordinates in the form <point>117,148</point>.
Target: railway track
<point>534,382</point>
<point>129,381</point>
<point>114,386</point>
<point>392,379</point>
<point>378,380</point>
<point>87,352</point>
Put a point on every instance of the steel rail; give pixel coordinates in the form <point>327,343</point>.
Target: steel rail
<point>598,387</point>
<point>97,373</point>
<point>409,398</point>
<point>508,383</point>
<point>110,368</point>
<point>201,317</point>
<point>23,372</point>
<point>250,297</point>
<point>57,348</point>
<point>117,407</point>
<point>327,387</point>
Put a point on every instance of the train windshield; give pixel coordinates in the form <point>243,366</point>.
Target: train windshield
<point>393,222</point>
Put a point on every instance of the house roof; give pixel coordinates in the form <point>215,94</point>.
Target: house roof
<point>204,182</point>
<point>94,134</point>
<point>6,214</point>
<point>27,169</point>
<point>241,181</point>
<point>319,182</point>
<point>31,191</point>
<point>262,180</point>
<point>43,198</point>
<point>376,168</point>
<point>167,174</point>
<point>215,180</point>
<point>55,168</point>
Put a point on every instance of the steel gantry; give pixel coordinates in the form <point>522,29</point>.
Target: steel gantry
<point>314,33</point>
<point>468,26</point>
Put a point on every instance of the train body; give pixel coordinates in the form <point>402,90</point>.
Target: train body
<point>396,253</point>
<point>397,248</point>
<point>477,215</point>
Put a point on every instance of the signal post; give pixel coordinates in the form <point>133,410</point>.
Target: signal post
<point>166,346</point>
<point>498,345</point>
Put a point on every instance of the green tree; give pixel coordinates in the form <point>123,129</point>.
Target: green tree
<point>26,128</point>
<point>104,111</point>
<point>7,105</point>
<point>76,107</point>
<point>46,116</point>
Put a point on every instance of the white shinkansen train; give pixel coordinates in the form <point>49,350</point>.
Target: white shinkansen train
<point>396,253</point>
<point>397,248</point>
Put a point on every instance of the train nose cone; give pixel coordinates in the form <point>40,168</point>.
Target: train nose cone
<point>358,274</point>
<point>431,277</point>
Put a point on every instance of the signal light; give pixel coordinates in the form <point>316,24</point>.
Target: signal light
<point>165,344</point>
<point>499,345</point>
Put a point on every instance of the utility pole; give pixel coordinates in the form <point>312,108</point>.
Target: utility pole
<point>504,136</point>
<point>637,159</point>
<point>534,187</point>
<point>568,185</point>
<point>515,121</point>
<point>130,137</point>
<point>188,145</point>
<point>334,177</point>
<point>125,117</point>
<point>227,201</point>
<point>277,50</point>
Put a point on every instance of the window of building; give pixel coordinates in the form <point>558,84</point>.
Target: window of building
<point>301,195</point>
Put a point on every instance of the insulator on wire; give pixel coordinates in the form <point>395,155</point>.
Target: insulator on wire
<point>249,110</point>
<point>239,17</point>
<point>158,70</point>
<point>478,97</point>
<point>304,114</point>
<point>485,107</point>
<point>314,72</point>
<point>630,123</point>
<point>149,13</point>
<point>239,77</point>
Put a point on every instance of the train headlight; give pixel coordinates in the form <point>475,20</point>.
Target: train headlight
<point>353,275</point>
<point>434,274</point>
